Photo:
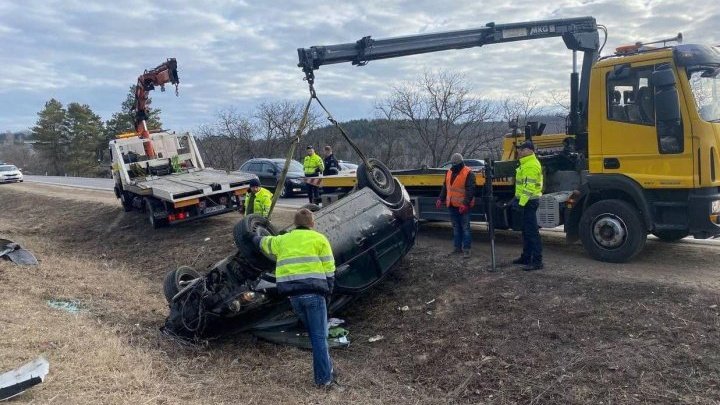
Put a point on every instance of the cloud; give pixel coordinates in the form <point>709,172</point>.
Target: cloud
<point>242,53</point>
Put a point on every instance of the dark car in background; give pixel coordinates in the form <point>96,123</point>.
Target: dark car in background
<point>475,165</point>
<point>269,171</point>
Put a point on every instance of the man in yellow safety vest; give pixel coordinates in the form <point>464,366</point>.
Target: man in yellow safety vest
<point>528,189</point>
<point>313,166</point>
<point>305,272</point>
<point>258,199</point>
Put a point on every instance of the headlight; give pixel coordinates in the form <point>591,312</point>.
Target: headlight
<point>295,181</point>
<point>715,207</point>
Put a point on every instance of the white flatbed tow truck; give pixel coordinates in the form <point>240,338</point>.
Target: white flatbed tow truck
<point>173,186</point>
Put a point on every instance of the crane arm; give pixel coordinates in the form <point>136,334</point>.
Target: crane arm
<point>579,34</point>
<point>159,76</point>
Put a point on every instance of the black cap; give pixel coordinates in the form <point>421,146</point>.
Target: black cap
<point>254,183</point>
<point>309,147</point>
<point>526,145</point>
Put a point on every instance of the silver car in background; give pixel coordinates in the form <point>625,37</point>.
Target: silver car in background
<point>10,174</point>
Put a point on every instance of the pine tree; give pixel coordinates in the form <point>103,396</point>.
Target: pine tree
<point>50,132</point>
<point>85,131</point>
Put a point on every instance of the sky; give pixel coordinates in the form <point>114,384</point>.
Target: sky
<point>237,54</point>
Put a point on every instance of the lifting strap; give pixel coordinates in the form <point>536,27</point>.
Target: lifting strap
<point>310,78</point>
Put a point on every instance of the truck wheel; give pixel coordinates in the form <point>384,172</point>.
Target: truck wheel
<point>243,233</point>
<point>670,235</point>
<point>126,201</point>
<point>377,177</point>
<point>176,280</point>
<point>150,210</point>
<point>611,231</point>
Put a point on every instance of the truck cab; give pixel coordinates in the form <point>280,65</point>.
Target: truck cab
<point>652,150</point>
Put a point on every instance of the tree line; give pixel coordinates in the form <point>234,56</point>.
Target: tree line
<point>420,123</point>
<point>73,140</point>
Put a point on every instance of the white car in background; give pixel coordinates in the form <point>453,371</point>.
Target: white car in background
<point>10,173</point>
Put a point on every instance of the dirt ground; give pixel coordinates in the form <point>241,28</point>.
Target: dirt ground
<point>579,331</point>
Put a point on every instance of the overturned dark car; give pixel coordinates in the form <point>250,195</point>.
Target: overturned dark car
<point>370,230</point>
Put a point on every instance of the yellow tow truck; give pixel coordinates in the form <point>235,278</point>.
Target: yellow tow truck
<point>641,150</point>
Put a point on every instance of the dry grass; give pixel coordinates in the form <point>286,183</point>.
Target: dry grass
<point>554,337</point>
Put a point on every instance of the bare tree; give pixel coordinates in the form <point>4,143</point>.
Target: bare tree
<point>276,123</point>
<point>228,142</point>
<point>523,107</point>
<point>442,116</point>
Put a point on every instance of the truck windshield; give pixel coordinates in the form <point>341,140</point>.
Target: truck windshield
<point>705,85</point>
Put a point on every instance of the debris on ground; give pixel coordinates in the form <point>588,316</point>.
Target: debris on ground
<point>376,338</point>
<point>12,251</point>
<point>15,382</point>
<point>67,306</point>
<point>404,308</point>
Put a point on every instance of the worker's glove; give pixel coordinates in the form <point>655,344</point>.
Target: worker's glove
<point>438,203</point>
<point>463,209</point>
<point>256,240</point>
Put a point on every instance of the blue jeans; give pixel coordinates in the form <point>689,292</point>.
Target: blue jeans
<point>461,228</point>
<point>532,244</point>
<point>312,311</point>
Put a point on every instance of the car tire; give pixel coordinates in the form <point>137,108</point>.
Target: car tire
<point>612,231</point>
<point>377,177</point>
<point>176,280</point>
<point>671,235</point>
<point>243,234</point>
<point>311,207</point>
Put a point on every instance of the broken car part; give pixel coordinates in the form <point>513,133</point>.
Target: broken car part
<point>15,253</point>
<point>15,382</point>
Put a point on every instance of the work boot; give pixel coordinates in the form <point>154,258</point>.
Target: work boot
<point>455,251</point>
<point>533,266</point>
<point>333,385</point>
<point>466,254</point>
<point>521,260</point>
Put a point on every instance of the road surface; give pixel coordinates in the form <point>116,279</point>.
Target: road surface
<point>108,184</point>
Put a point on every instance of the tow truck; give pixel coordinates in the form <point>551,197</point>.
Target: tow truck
<point>640,152</point>
<point>162,173</point>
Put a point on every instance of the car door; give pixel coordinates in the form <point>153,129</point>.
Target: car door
<point>268,175</point>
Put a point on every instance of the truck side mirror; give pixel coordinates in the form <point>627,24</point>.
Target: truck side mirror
<point>667,106</point>
<point>668,120</point>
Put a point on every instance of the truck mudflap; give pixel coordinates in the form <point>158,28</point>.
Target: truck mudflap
<point>369,237</point>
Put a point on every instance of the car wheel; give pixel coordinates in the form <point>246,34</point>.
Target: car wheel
<point>377,177</point>
<point>611,231</point>
<point>670,235</point>
<point>178,279</point>
<point>243,233</point>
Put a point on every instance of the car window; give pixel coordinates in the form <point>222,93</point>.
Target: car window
<point>254,167</point>
<point>267,168</point>
<point>7,168</point>
<point>295,166</point>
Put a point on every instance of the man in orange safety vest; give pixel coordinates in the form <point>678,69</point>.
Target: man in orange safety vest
<point>458,194</point>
